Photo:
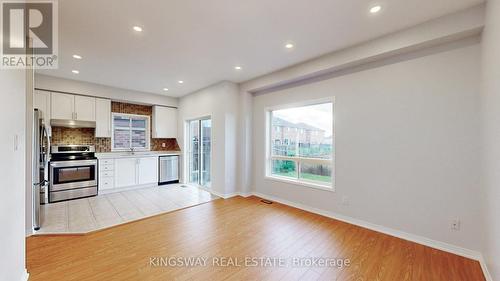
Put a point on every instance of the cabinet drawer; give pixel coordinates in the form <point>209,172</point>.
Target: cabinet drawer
<point>103,168</point>
<point>107,161</point>
<point>106,183</point>
<point>106,174</point>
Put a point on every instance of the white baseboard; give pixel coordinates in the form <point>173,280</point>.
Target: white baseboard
<point>227,195</point>
<point>486,273</point>
<point>471,254</point>
<point>245,194</point>
<point>218,194</point>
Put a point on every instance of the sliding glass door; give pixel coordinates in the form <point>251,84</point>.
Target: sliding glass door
<point>200,151</point>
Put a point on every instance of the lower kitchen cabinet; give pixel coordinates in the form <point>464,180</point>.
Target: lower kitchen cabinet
<point>127,172</point>
<point>106,174</point>
<point>147,170</point>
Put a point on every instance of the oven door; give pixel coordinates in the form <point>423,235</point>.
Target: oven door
<point>66,175</point>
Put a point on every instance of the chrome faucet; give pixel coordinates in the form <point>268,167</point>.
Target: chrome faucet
<point>132,151</point>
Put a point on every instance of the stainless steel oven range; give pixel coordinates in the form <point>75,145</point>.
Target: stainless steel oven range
<point>73,172</point>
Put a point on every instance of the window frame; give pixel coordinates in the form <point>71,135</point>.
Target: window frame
<point>297,159</point>
<point>131,116</point>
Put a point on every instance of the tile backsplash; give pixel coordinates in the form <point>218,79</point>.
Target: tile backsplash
<point>61,135</point>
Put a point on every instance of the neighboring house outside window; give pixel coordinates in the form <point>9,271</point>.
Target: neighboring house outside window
<point>130,132</point>
<point>302,147</point>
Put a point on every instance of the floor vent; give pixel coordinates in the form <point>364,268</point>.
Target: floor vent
<point>266,201</point>
<point>184,186</point>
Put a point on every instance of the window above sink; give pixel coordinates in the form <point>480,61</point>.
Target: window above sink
<point>130,132</point>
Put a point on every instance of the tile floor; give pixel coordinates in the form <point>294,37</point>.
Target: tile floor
<point>102,211</point>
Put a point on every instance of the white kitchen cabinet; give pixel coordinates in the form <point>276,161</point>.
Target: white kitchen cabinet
<point>164,122</point>
<point>62,106</point>
<point>125,172</point>
<point>41,100</point>
<point>147,170</point>
<point>106,174</point>
<point>84,108</point>
<point>72,107</point>
<point>102,118</point>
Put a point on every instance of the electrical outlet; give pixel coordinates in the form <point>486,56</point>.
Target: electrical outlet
<point>455,224</point>
<point>163,145</point>
<point>345,200</point>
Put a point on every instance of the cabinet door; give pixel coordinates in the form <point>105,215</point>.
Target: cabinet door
<point>41,100</point>
<point>106,183</point>
<point>125,172</point>
<point>84,108</point>
<point>148,170</point>
<point>102,118</point>
<point>62,106</point>
<point>164,122</point>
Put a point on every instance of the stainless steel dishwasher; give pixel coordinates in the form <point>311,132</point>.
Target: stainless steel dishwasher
<point>169,169</point>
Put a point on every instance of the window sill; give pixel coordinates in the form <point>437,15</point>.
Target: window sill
<point>301,183</point>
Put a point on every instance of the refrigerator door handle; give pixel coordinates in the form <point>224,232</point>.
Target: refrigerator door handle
<point>36,211</point>
<point>36,158</point>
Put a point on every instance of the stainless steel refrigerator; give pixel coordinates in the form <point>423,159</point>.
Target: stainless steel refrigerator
<point>40,162</point>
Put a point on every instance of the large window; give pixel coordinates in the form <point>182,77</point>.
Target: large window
<point>301,144</point>
<point>130,132</point>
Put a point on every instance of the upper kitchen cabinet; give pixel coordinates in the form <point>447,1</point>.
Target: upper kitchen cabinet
<point>84,108</point>
<point>41,100</point>
<point>102,118</point>
<point>164,122</point>
<point>72,107</point>
<point>62,106</point>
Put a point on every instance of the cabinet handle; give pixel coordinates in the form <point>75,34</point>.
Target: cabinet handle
<point>76,116</point>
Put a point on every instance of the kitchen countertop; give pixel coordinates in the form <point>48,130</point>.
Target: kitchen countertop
<point>125,154</point>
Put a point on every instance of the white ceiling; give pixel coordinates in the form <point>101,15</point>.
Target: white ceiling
<point>201,41</point>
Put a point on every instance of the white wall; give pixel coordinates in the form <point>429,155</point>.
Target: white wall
<point>451,28</point>
<point>12,167</point>
<point>221,102</point>
<point>245,155</point>
<point>491,135</point>
<point>28,152</point>
<point>85,88</point>
<point>407,149</point>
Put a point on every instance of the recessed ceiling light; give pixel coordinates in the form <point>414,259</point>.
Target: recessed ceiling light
<point>237,67</point>
<point>75,71</point>
<point>180,82</point>
<point>289,46</point>
<point>78,57</point>
<point>375,9</point>
<point>137,28</point>
<point>165,89</point>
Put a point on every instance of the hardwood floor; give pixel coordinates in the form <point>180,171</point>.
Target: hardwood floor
<point>235,229</point>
